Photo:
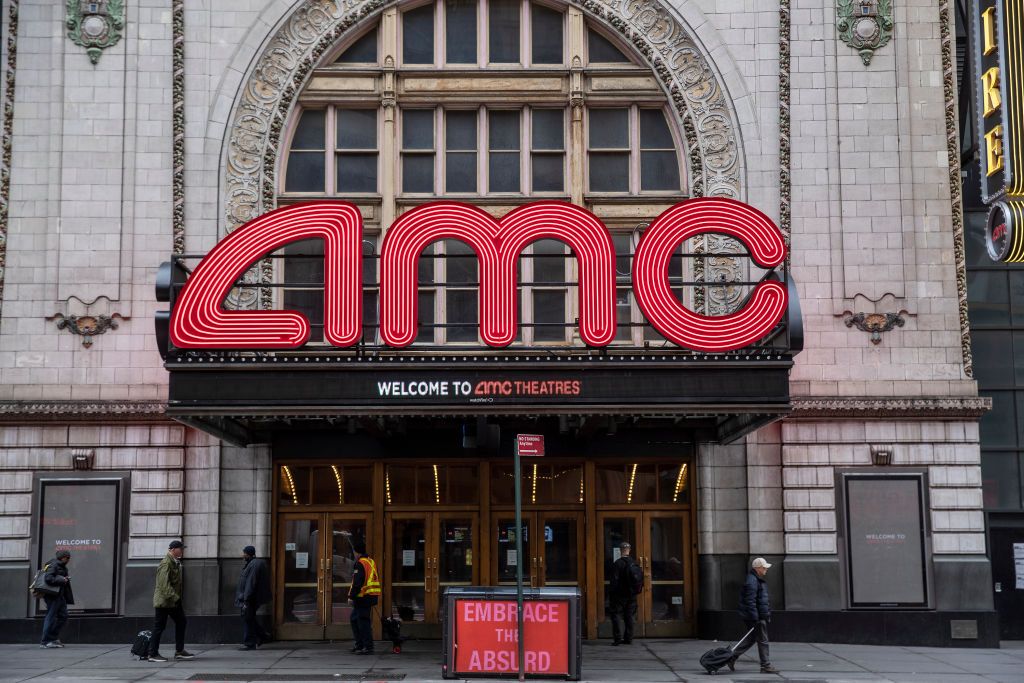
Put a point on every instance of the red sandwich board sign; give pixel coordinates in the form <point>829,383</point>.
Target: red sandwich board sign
<point>530,445</point>
<point>486,637</point>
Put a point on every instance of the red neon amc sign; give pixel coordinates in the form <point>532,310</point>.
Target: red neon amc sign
<point>199,320</point>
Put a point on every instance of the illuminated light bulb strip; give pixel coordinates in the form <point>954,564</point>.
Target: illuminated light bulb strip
<point>677,323</point>
<point>201,322</point>
<point>680,483</point>
<point>437,487</point>
<point>533,493</point>
<point>581,487</point>
<point>291,484</point>
<point>498,246</point>
<point>341,487</point>
<point>632,480</point>
<point>387,486</point>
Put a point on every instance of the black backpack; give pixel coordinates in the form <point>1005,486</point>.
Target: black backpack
<point>634,577</point>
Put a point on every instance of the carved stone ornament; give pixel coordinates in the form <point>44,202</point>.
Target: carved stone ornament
<point>875,323</point>
<point>864,25</point>
<point>86,326</point>
<point>280,71</point>
<point>95,25</point>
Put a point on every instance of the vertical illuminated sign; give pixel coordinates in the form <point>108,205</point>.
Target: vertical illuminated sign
<point>998,27</point>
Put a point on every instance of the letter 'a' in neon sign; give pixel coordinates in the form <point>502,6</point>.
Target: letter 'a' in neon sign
<point>199,320</point>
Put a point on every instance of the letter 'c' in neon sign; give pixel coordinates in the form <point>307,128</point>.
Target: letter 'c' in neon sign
<point>199,320</point>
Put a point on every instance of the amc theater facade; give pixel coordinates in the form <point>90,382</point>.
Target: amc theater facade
<point>840,441</point>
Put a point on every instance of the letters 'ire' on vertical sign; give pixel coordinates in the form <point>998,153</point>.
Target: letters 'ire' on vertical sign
<point>199,320</point>
<point>998,56</point>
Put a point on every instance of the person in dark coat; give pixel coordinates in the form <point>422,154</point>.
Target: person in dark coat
<point>755,611</point>
<point>56,574</point>
<point>621,597</point>
<point>253,590</point>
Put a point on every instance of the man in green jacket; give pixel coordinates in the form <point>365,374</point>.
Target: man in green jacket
<point>167,602</point>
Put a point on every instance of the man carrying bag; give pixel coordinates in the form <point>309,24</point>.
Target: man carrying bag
<point>53,585</point>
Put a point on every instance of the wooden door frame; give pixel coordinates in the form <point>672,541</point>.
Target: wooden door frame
<point>302,631</point>
<point>334,631</point>
<point>597,592</point>
<point>689,613</point>
<point>580,517</point>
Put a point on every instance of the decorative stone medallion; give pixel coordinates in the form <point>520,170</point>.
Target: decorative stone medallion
<point>86,326</point>
<point>864,25</point>
<point>95,25</point>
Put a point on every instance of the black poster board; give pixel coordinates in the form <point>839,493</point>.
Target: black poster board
<point>84,516</point>
<point>885,540</point>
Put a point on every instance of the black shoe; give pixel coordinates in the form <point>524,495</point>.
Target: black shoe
<point>627,642</point>
<point>769,669</point>
<point>616,643</point>
<point>157,658</point>
<point>246,647</point>
<point>731,664</point>
<point>184,654</point>
<point>364,652</point>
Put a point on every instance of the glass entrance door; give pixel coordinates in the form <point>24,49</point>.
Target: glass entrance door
<point>551,549</point>
<point>660,541</point>
<point>315,557</point>
<point>427,552</point>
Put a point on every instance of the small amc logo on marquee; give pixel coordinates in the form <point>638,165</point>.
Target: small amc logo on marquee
<point>199,320</point>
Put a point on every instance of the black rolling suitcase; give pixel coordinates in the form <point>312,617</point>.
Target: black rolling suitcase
<point>140,648</point>
<point>715,659</point>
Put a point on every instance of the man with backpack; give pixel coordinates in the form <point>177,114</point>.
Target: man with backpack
<point>55,574</point>
<point>626,582</point>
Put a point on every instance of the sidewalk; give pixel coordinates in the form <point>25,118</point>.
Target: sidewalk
<point>650,660</point>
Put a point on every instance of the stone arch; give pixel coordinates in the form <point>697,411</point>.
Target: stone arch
<point>281,66</point>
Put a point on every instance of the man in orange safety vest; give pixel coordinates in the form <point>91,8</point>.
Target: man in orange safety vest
<point>363,594</point>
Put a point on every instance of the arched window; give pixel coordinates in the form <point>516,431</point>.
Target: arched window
<point>497,103</point>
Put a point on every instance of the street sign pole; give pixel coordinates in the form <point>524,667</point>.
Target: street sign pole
<point>519,565</point>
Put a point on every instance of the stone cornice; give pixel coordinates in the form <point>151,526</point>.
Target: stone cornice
<point>943,408</point>
<point>12,412</point>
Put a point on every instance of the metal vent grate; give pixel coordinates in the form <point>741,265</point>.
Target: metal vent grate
<point>370,676</point>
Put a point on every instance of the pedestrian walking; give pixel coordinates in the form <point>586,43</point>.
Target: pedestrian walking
<point>755,611</point>
<point>625,583</point>
<point>252,591</point>
<point>167,602</point>
<point>55,573</point>
<point>363,594</point>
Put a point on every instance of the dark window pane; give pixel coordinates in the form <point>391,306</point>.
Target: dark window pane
<point>460,172</point>
<point>310,132</point>
<point>999,425</point>
<point>460,130</point>
<point>369,316</point>
<point>659,171</point>
<point>426,265</point>
<point>362,51</point>
<point>504,130</point>
<point>305,172</point>
<point>609,129</point>
<point>418,173</point>
<point>504,171</point>
<point>600,49</point>
<point>369,261</point>
<point>609,172</point>
<point>974,238</point>
<point>418,35</point>
<point>357,128</point>
<point>546,267</point>
<point>1017,296</point>
<point>461,309</point>
<point>987,298</point>
<point>460,31</point>
<point>504,31</point>
<point>654,132</point>
<point>623,314</point>
<point>622,255</point>
<point>629,483</point>
<point>548,172</point>
<point>461,263</point>
<point>992,356</point>
<point>547,35</point>
<point>549,307</point>
<point>357,172</point>
<point>1018,353</point>
<point>549,129</point>
<point>1000,479</point>
<point>418,129</point>
<point>425,313</point>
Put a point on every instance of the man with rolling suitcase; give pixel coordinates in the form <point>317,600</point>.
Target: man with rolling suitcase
<point>756,611</point>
